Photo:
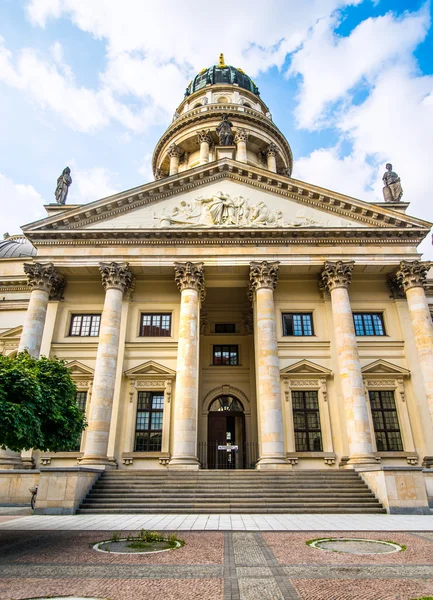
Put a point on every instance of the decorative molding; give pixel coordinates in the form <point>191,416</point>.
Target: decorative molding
<point>225,390</point>
<point>45,277</point>
<point>255,177</point>
<point>204,136</point>
<point>305,367</point>
<point>263,275</point>
<point>116,275</point>
<point>412,274</point>
<point>336,274</point>
<point>190,276</point>
<point>241,135</point>
<point>174,151</point>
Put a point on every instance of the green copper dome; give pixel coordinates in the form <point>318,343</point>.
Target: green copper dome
<point>220,74</point>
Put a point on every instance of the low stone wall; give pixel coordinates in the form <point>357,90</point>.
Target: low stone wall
<point>61,489</point>
<point>428,478</point>
<point>15,484</point>
<point>401,490</point>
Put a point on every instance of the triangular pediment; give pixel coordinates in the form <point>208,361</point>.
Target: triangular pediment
<point>151,368</point>
<point>383,367</point>
<point>306,367</point>
<point>12,334</point>
<point>77,368</point>
<point>224,195</point>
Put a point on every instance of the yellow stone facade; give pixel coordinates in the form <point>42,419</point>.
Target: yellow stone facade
<point>224,235</point>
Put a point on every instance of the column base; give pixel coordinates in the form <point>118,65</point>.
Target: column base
<point>273,462</point>
<point>98,461</point>
<point>358,460</point>
<point>184,462</point>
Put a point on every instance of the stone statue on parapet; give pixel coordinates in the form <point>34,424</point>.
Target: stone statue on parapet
<point>63,183</point>
<point>6,235</point>
<point>224,131</point>
<point>392,192</point>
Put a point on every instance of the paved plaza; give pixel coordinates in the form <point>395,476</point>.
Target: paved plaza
<point>225,557</point>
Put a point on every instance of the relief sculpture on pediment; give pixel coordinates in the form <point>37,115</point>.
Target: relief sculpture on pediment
<point>223,210</point>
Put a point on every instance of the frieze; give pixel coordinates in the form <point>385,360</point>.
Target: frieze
<point>223,210</point>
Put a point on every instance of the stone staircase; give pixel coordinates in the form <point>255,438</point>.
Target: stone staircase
<point>236,491</point>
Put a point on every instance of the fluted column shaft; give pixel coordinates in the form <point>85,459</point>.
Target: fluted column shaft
<point>46,284</point>
<point>411,276</point>
<point>336,278</point>
<point>263,280</point>
<point>190,280</point>
<point>204,141</point>
<point>117,279</point>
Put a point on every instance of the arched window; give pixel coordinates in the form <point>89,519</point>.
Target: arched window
<point>225,404</point>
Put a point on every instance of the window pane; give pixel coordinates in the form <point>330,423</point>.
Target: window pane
<point>158,401</point>
<point>306,421</point>
<point>165,325</point>
<point>299,420</point>
<point>368,324</point>
<point>144,400</point>
<point>385,421</point>
<point>315,441</point>
<point>378,325</point>
<point>94,328</point>
<point>217,355</point>
<point>148,428</point>
<point>76,325</point>
<point>142,420</point>
<point>378,422</point>
<point>359,326</point>
<point>313,421</point>
<point>156,325</point>
<point>146,321</point>
<point>307,324</point>
<point>81,398</point>
<point>297,324</point>
<point>394,441</point>
<point>301,441</point>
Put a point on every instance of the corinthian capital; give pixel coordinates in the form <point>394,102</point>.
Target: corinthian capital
<point>116,275</point>
<point>241,135</point>
<point>336,274</point>
<point>190,276</point>
<point>204,136</point>
<point>271,150</point>
<point>46,278</point>
<point>263,275</point>
<point>174,150</point>
<point>412,273</point>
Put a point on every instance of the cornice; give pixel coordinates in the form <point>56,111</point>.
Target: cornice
<point>301,192</point>
<point>209,112</point>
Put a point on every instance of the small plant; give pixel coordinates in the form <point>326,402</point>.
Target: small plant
<point>115,537</point>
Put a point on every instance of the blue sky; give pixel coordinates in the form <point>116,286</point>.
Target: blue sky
<point>93,84</point>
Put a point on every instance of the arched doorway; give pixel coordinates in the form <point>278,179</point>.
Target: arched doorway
<point>226,433</point>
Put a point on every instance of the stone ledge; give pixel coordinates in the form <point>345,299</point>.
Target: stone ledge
<point>18,471</point>
<point>72,469</point>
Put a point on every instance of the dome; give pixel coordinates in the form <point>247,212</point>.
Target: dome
<point>16,247</point>
<point>221,74</point>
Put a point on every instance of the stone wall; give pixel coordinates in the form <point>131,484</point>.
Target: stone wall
<point>15,484</point>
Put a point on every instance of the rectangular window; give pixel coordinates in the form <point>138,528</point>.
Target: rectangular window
<point>155,325</point>
<point>225,328</point>
<point>226,355</point>
<point>85,325</point>
<point>297,324</point>
<point>306,420</point>
<point>385,421</point>
<point>148,427</point>
<point>368,324</point>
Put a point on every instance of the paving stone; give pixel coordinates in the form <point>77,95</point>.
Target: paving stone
<point>254,572</point>
<point>259,589</point>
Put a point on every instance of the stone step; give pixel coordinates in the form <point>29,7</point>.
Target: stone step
<point>221,506</point>
<point>262,510</point>
<point>253,494</point>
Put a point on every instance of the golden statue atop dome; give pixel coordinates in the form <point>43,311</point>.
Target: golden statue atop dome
<point>221,63</point>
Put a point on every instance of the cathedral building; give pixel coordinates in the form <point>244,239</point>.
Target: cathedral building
<point>228,316</point>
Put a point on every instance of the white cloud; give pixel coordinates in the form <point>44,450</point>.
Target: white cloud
<point>19,204</point>
<point>330,65</point>
<point>91,184</point>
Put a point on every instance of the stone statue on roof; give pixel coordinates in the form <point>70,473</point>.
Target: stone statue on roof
<point>392,192</point>
<point>63,183</point>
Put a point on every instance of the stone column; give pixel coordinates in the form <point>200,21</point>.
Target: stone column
<point>411,277</point>
<point>335,279</point>
<point>241,138</point>
<point>271,156</point>
<point>116,279</point>
<point>263,280</point>
<point>190,281</point>
<point>204,141</point>
<point>174,153</point>
<point>47,284</point>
